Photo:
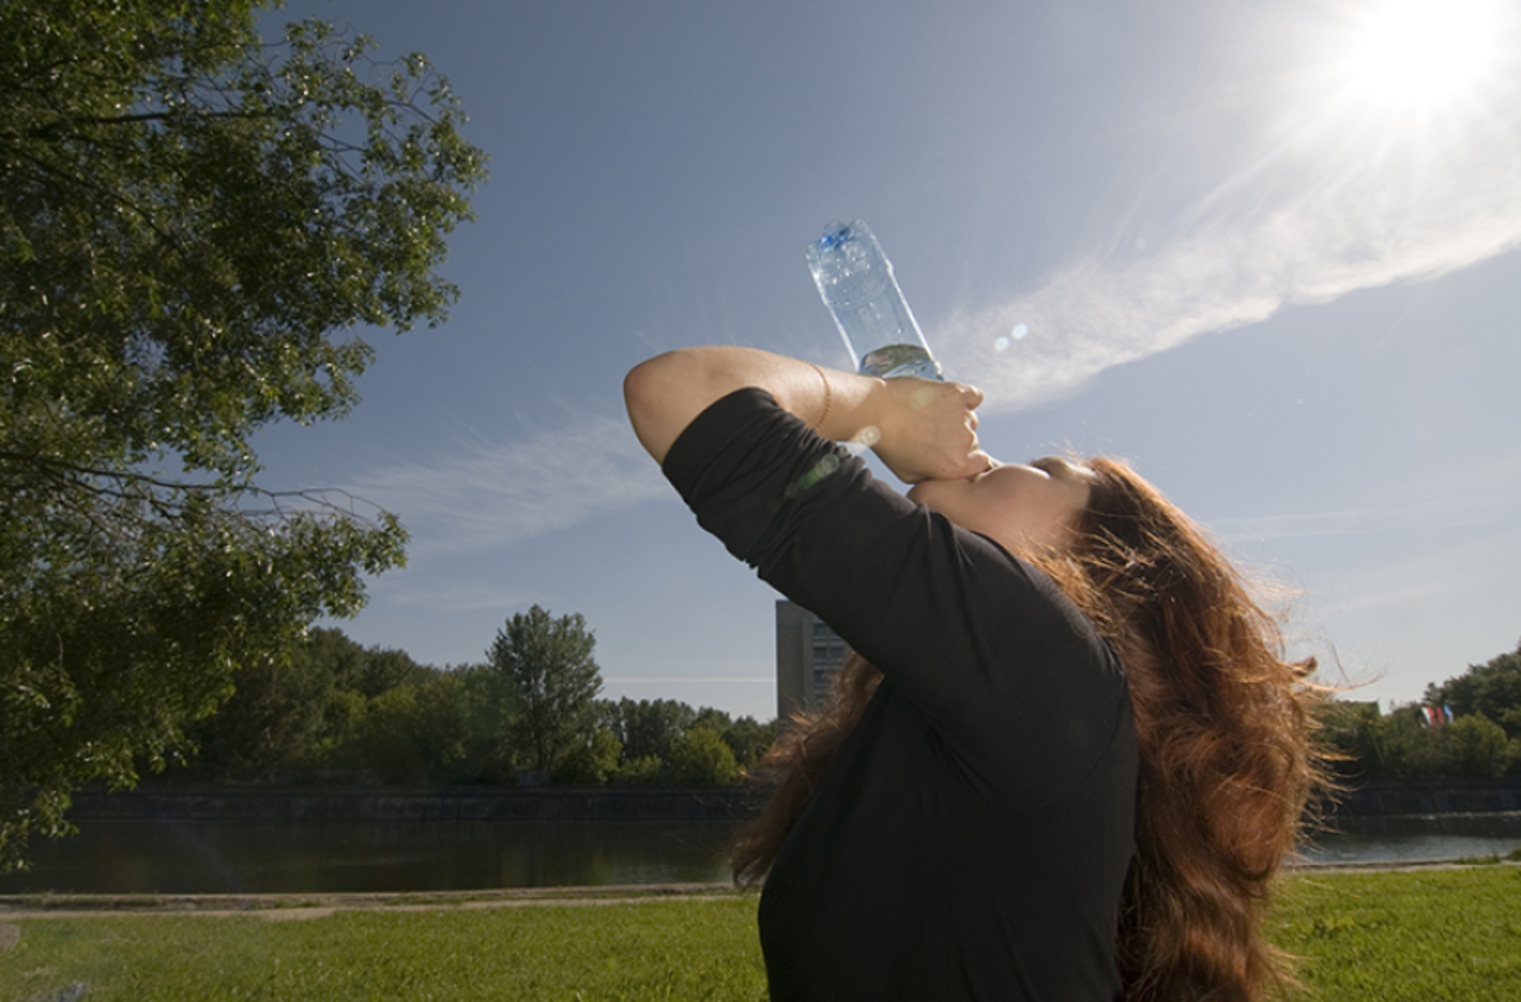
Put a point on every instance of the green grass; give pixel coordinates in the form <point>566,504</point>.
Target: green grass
<point>1428,935</point>
<point>695,949</point>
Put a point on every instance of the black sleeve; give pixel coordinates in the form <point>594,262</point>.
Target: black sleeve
<point>1002,664</point>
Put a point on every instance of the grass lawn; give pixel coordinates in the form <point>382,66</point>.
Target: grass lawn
<point>1427,935</point>
<point>1430,935</point>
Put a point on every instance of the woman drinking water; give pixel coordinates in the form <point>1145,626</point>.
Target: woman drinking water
<point>1067,758</point>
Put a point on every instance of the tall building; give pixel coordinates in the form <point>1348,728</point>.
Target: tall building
<point>808,653</point>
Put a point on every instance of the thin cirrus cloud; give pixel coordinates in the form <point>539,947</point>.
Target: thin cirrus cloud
<point>490,496</point>
<point>1329,211</point>
<point>1431,507</point>
<point>456,598</point>
<point>1325,213</point>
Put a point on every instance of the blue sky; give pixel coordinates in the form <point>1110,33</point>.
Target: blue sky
<point>1283,283</point>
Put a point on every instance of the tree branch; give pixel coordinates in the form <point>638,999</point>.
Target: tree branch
<point>54,130</point>
<point>70,475</point>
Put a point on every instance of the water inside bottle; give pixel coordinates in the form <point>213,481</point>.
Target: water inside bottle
<point>893,360</point>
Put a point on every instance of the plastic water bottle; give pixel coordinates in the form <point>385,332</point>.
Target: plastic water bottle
<point>856,281</point>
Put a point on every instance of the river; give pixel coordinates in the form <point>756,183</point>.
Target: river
<point>186,857</point>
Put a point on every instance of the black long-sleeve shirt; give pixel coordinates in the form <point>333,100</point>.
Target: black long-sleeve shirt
<point>971,840</point>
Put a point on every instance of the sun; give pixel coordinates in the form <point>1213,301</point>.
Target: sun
<point>1418,53</point>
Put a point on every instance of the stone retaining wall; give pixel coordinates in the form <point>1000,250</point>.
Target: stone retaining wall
<point>1451,796</point>
<point>284,805</point>
<point>256,804</point>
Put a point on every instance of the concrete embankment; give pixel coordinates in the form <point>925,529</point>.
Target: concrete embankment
<point>1447,796</point>
<point>256,804</point>
<point>1371,801</point>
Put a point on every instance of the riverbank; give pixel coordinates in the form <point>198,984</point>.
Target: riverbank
<point>14,907</point>
<point>258,804</point>
<point>1430,797</point>
<point>624,804</point>
<point>284,906</point>
<point>1413,934</point>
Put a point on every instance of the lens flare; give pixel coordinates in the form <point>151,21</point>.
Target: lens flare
<point>868,436</point>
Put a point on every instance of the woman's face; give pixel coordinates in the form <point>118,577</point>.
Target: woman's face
<point>1023,508</point>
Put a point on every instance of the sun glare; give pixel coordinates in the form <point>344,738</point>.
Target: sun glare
<point>1415,53</point>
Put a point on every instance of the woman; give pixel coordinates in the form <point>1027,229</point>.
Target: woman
<point>996,808</point>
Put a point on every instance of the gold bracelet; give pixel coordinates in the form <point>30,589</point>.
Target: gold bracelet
<point>828,396</point>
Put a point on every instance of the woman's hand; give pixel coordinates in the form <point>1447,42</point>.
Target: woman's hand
<point>926,430</point>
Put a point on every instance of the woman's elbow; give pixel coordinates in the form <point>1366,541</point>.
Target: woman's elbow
<point>649,395</point>
<point>642,386</point>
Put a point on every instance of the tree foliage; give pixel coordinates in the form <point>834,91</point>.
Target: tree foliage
<point>189,221</point>
<point>701,758</point>
<point>549,666</point>
<point>591,762</point>
<point>648,728</point>
<point>338,712</point>
<point>1492,689</point>
<point>665,741</point>
<point>316,708</point>
<point>1405,745</point>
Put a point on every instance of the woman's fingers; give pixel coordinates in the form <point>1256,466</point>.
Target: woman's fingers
<point>931,431</point>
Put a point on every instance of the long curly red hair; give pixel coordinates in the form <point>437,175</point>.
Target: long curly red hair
<point>1229,761</point>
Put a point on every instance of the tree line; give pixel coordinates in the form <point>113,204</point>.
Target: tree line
<point>1467,726</point>
<point>333,711</point>
<point>194,222</point>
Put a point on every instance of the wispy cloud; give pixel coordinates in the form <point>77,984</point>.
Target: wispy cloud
<point>456,598</point>
<point>488,496</point>
<point>1412,584</point>
<point>692,680</point>
<point>1329,211</point>
<point>1463,495</point>
<point>1322,214</point>
<point>1419,516</point>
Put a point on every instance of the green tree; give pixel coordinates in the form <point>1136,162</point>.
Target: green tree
<point>1411,747</point>
<point>701,758</point>
<point>548,664</point>
<point>591,763</point>
<point>648,728</point>
<point>1492,689</point>
<point>368,670</point>
<point>410,734</point>
<point>1474,745</point>
<point>189,220</point>
<point>643,771</point>
<point>750,740</point>
<point>276,719</point>
<point>489,707</point>
<point>746,738</point>
<point>1403,745</point>
<point>292,713</point>
<point>1354,733</point>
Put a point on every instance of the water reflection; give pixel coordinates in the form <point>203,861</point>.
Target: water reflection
<point>1410,838</point>
<point>189,857</point>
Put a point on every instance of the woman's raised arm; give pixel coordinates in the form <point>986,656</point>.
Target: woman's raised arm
<point>921,429</point>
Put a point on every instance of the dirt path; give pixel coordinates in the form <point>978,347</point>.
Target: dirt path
<point>295,907</point>
<point>288,907</point>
